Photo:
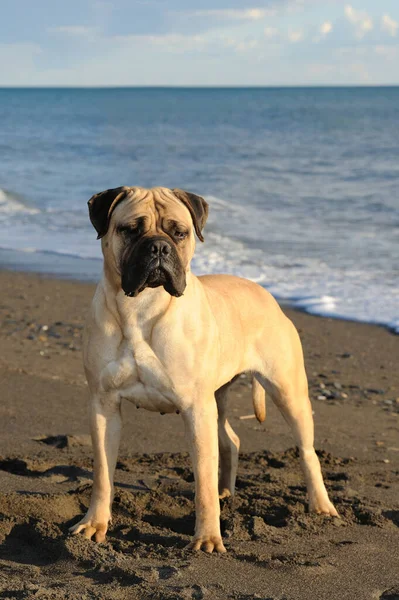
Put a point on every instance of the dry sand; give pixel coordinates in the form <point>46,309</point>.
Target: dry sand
<point>275,549</point>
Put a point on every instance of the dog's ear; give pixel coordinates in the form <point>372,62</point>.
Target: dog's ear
<point>102,205</point>
<point>198,209</point>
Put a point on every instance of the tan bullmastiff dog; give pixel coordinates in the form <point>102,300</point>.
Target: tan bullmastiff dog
<point>172,342</point>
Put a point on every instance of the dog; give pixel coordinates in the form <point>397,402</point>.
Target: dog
<point>172,342</point>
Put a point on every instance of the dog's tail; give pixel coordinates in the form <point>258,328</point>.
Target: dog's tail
<point>259,400</point>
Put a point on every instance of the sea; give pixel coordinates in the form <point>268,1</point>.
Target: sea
<point>302,183</point>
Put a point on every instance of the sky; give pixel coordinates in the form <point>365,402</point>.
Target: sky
<point>193,43</point>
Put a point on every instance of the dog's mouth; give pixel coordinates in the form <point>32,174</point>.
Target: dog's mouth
<point>140,271</point>
<point>157,276</point>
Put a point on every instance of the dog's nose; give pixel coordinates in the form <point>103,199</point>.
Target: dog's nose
<point>160,248</point>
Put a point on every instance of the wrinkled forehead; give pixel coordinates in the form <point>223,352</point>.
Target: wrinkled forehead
<point>154,205</point>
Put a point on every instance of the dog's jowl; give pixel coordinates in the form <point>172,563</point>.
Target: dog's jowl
<point>169,341</point>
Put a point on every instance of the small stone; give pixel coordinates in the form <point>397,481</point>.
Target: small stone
<point>322,386</point>
<point>42,353</point>
<point>386,461</point>
<point>346,355</point>
<point>388,402</point>
<point>379,443</point>
<point>396,400</point>
<point>44,327</point>
<point>53,334</point>
<point>337,385</point>
<point>343,395</point>
<point>321,397</point>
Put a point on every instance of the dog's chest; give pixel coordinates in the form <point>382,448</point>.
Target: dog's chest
<point>137,375</point>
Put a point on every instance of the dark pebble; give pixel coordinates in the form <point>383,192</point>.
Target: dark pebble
<point>53,334</point>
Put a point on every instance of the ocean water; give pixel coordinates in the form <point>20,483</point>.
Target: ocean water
<point>303,184</point>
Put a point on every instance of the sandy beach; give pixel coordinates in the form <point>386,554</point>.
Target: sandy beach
<point>276,550</point>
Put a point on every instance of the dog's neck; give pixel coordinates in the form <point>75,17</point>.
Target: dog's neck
<point>143,310</point>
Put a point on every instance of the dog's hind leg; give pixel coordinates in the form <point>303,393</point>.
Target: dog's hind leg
<point>298,414</point>
<point>229,444</point>
<point>287,384</point>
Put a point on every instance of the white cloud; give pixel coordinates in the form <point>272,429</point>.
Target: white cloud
<point>389,25</point>
<point>321,70</point>
<point>326,28</point>
<point>388,52</point>
<point>18,62</point>
<point>270,32</point>
<point>73,30</point>
<point>343,73</point>
<point>295,36</point>
<point>248,14</point>
<point>351,51</point>
<point>246,46</point>
<point>170,43</point>
<point>361,21</point>
<point>360,71</point>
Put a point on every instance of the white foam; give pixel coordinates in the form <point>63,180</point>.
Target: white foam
<point>394,325</point>
<point>11,204</point>
<point>354,291</point>
<point>319,305</point>
<point>305,283</point>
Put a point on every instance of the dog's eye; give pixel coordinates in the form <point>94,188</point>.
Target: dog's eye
<point>180,235</point>
<point>129,229</point>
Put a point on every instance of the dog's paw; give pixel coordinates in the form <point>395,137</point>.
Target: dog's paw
<point>224,493</point>
<point>90,527</point>
<point>208,544</point>
<point>323,507</point>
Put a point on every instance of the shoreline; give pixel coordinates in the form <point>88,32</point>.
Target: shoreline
<point>91,268</point>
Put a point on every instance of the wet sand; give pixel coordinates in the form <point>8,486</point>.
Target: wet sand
<point>276,550</point>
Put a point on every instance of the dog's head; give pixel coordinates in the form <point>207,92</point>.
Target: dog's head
<point>148,236</point>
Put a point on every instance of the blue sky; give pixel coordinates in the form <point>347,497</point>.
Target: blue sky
<point>218,42</point>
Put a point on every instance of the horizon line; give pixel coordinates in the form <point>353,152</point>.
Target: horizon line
<point>205,86</point>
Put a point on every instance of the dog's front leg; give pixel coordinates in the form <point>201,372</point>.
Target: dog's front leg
<point>106,424</point>
<point>202,432</point>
